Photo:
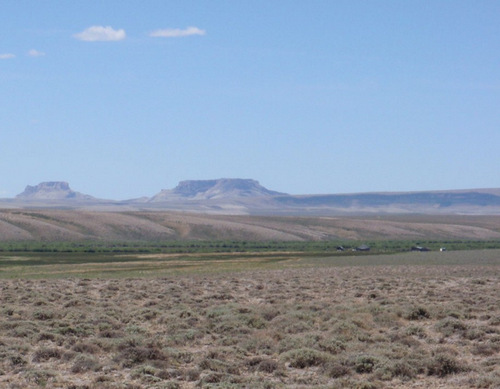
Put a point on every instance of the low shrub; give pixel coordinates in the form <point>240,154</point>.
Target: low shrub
<point>443,364</point>
<point>84,363</point>
<point>488,381</point>
<point>46,336</point>
<point>336,369</point>
<point>403,369</point>
<point>417,313</point>
<point>268,313</point>
<point>268,365</point>
<point>134,355</point>
<point>332,345</point>
<point>485,349</point>
<point>218,366</point>
<point>144,370</point>
<point>416,331</point>
<point>46,353</point>
<point>17,360</point>
<point>305,357</point>
<point>43,315</point>
<point>39,377</point>
<point>450,326</point>
<point>191,375</point>
<point>365,364</point>
<point>166,374</point>
<point>474,333</point>
<point>88,348</point>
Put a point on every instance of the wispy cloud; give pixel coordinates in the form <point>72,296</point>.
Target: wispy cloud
<point>7,56</point>
<point>100,33</point>
<point>35,53</point>
<point>177,32</point>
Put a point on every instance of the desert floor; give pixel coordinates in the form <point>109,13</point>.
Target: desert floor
<point>413,322</point>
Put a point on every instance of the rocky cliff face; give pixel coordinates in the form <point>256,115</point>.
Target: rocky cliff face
<point>55,190</point>
<point>223,188</point>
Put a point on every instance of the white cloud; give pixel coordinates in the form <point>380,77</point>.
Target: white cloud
<point>100,33</point>
<point>177,32</point>
<point>35,53</point>
<point>7,56</point>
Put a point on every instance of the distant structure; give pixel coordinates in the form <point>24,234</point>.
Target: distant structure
<point>419,248</point>
<point>363,247</point>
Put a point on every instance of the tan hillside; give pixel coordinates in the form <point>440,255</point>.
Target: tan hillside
<point>71,225</point>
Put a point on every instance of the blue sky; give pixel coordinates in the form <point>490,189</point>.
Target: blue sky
<point>125,98</point>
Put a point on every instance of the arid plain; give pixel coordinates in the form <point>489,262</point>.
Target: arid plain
<point>248,320</point>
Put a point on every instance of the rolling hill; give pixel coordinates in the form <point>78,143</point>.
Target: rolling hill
<point>79,225</point>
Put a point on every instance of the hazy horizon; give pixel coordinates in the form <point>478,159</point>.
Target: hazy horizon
<point>123,99</point>
<point>149,195</point>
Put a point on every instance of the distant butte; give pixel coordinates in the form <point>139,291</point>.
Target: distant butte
<point>215,189</point>
<point>52,190</point>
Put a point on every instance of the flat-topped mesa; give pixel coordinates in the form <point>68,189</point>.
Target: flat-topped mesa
<point>215,189</point>
<point>52,190</point>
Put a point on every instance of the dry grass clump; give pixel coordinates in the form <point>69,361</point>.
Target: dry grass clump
<point>345,327</point>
